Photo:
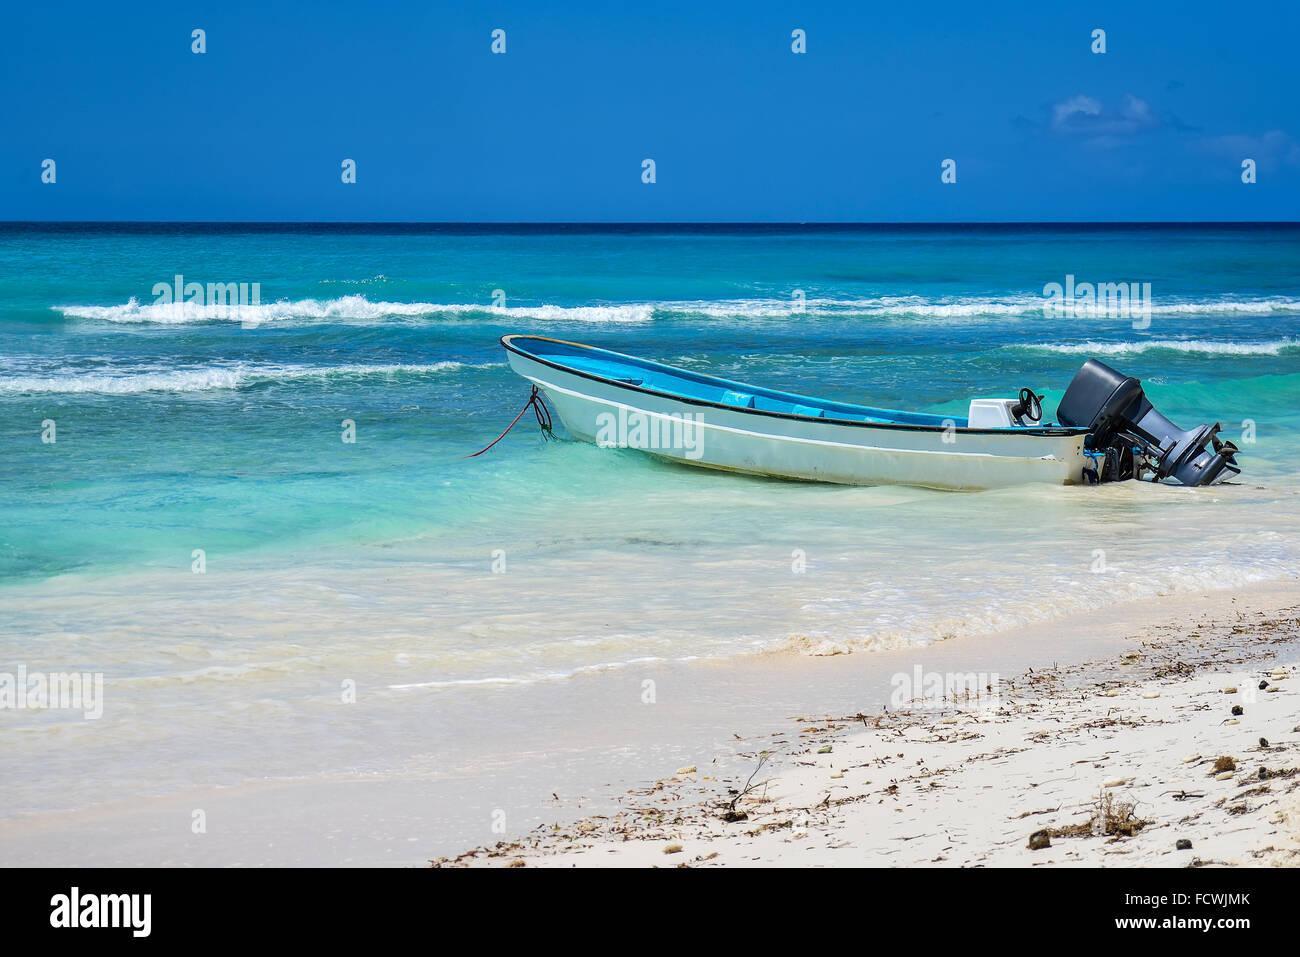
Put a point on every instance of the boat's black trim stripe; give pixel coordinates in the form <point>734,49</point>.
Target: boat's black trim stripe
<point>1061,430</point>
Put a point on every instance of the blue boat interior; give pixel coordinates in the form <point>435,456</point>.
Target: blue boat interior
<point>693,385</point>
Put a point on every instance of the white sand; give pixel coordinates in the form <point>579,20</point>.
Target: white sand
<point>966,784</point>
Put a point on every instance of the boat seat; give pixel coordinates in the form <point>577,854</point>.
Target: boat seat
<point>809,411</point>
<point>742,399</point>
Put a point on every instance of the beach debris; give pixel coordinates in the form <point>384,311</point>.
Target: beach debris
<point>1190,758</point>
<point>1152,694</point>
<point>1263,742</point>
<point>1231,689</point>
<point>1263,774</point>
<point>1263,685</point>
<point>837,774</point>
<point>1183,844</point>
<point>1272,689</point>
<point>1237,710</point>
<point>1224,776</point>
<point>731,815</point>
<point>1039,840</point>
<point>1119,818</point>
<point>517,862</point>
<point>1173,669</point>
<point>1232,721</point>
<point>824,749</point>
<point>1117,782</point>
<point>689,769</point>
<point>1111,818</point>
<point>1223,763</point>
<point>673,849</point>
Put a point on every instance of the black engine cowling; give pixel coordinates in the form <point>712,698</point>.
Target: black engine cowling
<point>1119,417</point>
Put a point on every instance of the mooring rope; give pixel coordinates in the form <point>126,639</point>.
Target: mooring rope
<point>540,412</point>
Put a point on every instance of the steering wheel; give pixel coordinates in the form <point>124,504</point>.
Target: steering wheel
<point>1028,406</point>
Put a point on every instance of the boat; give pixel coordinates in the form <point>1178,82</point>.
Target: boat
<point>1106,428</point>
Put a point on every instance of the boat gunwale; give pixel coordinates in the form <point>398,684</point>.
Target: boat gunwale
<point>1059,430</point>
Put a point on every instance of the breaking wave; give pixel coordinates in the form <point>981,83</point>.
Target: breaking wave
<point>1209,347</point>
<point>359,309</point>
<point>198,379</point>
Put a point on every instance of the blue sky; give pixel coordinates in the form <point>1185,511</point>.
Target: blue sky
<point>740,128</point>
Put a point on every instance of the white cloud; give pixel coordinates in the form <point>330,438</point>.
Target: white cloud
<point>1075,105</point>
<point>1087,116</point>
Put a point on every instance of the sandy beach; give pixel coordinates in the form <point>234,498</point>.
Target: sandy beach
<point>1181,749</point>
<point>434,773</point>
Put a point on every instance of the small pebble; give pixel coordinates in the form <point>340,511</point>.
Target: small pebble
<point>1231,689</point>
<point>1183,844</point>
<point>1272,688</point>
<point>1263,774</point>
<point>686,770</point>
<point>838,774</point>
<point>1263,685</point>
<point>1152,694</point>
<point>1238,709</point>
<point>1263,742</point>
<point>1039,840</point>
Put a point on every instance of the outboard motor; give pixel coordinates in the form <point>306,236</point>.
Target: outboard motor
<point>1122,421</point>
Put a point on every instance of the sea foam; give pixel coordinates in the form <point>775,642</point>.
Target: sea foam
<point>357,309</point>
<point>198,379</point>
<point>1211,347</point>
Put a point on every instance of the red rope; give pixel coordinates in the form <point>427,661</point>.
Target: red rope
<point>540,411</point>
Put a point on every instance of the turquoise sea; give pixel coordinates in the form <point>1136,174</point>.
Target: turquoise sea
<point>199,531</point>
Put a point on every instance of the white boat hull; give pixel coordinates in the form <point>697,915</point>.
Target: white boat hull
<point>826,450</point>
